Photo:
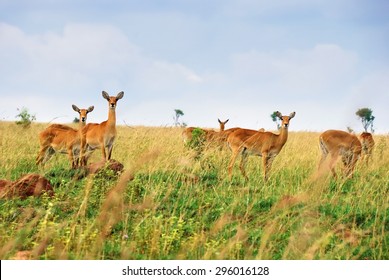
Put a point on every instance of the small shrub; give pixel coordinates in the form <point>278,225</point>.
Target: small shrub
<point>25,118</point>
<point>197,141</point>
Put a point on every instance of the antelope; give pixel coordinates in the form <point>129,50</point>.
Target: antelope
<point>262,143</point>
<point>209,134</point>
<point>101,135</point>
<point>368,143</point>
<point>340,143</point>
<point>224,134</point>
<point>62,139</point>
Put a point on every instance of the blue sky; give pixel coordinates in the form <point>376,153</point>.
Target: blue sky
<point>236,59</point>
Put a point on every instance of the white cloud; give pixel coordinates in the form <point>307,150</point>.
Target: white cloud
<point>80,62</point>
<point>162,76</point>
<point>85,52</point>
<point>312,73</point>
<point>316,83</point>
<point>81,54</point>
<point>237,60</point>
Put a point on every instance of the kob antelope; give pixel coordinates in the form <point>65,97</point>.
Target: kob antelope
<point>262,143</point>
<point>209,134</point>
<point>368,143</point>
<point>101,135</point>
<point>62,139</point>
<point>342,144</point>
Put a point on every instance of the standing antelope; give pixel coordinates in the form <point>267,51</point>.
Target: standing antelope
<point>100,135</point>
<point>62,139</point>
<point>368,143</point>
<point>262,143</point>
<point>340,143</point>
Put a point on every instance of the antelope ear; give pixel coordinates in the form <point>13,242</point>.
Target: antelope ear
<point>226,121</point>
<point>75,108</point>
<point>219,121</point>
<point>105,95</point>
<point>90,109</point>
<point>292,115</point>
<point>279,115</point>
<point>120,95</point>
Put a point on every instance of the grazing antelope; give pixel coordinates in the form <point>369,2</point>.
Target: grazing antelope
<point>368,143</point>
<point>209,134</point>
<point>101,135</point>
<point>340,143</point>
<point>62,139</point>
<point>262,143</point>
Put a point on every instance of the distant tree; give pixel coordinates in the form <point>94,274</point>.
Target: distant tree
<point>275,119</point>
<point>367,118</point>
<point>25,118</point>
<point>76,120</point>
<point>178,113</point>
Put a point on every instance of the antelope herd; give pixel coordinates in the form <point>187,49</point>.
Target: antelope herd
<point>268,145</point>
<point>79,144</point>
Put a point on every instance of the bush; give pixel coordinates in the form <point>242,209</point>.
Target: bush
<point>25,118</point>
<point>197,141</point>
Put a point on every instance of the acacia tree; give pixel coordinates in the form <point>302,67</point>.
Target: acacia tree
<point>367,118</point>
<point>178,113</point>
<point>276,119</point>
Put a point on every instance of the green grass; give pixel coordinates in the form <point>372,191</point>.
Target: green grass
<point>171,204</point>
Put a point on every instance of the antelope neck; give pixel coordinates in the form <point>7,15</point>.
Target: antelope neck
<point>283,136</point>
<point>111,117</point>
<point>82,125</point>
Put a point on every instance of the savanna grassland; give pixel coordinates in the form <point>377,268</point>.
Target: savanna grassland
<point>170,203</point>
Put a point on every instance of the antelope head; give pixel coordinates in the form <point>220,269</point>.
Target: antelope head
<point>285,119</point>
<point>222,124</point>
<point>82,112</point>
<point>112,100</point>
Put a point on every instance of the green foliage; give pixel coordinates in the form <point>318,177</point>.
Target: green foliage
<point>197,141</point>
<point>60,177</point>
<point>367,118</point>
<point>24,166</point>
<point>178,112</point>
<point>25,117</point>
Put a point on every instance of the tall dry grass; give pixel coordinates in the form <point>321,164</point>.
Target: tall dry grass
<point>171,204</point>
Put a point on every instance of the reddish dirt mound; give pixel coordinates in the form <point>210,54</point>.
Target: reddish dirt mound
<point>28,185</point>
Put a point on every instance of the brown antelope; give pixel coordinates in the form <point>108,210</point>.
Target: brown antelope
<point>62,139</point>
<point>368,143</point>
<point>340,143</point>
<point>209,134</point>
<point>101,135</point>
<point>262,143</point>
<point>222,137</point>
